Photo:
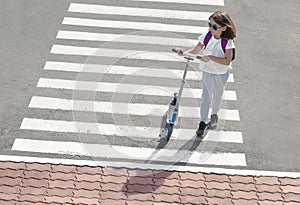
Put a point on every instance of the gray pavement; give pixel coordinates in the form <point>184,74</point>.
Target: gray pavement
<point>266,82</point>
<point>28,29</point>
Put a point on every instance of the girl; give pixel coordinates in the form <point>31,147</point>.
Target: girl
<point>218,46</point>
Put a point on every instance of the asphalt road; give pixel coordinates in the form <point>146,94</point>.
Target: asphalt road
<point>265,70</point>
<point>266,82</point>
<point>28,29</point>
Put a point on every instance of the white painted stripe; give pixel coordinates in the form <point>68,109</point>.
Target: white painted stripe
<point>123,130</point>
<point>154,40</point>
<point>224,136</point>
<point>129,153</point>
<point>85,127</point>
<point>125,70</point>
<point>115,53</point>
<point>211,136</point>
<point>134,89</point>
<point>122,108</point>
<point>134,25</point>
<point>132,165</point>
<point>140,12</point>
<point>200,2</point>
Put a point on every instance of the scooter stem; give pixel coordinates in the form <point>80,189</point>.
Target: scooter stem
<point>186,68</point>
<point>182,83</point>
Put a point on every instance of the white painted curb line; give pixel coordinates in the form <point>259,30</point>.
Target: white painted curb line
<point>149,166</point>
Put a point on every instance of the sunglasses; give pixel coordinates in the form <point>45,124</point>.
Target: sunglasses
<point>214,26</point>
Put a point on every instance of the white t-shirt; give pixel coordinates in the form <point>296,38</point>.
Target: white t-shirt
<point>214,48</point>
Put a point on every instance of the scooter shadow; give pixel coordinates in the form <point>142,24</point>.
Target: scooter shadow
<point>195,141</point>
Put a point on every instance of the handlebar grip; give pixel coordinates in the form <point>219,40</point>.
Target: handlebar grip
<point>176,51</point>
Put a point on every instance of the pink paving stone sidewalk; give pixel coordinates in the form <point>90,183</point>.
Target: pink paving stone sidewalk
<point>35,183</point>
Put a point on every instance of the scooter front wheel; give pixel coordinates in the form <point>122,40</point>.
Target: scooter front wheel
<point>170,130</point>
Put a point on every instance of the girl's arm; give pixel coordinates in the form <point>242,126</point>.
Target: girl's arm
<point>225,61</point>
<point>196,49</point>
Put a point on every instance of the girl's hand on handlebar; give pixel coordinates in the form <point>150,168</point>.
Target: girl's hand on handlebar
<point>179,51</point>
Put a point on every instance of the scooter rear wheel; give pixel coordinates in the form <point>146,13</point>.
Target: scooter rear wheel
<point>170,130</point>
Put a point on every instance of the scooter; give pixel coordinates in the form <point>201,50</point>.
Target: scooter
<point>172,113</point>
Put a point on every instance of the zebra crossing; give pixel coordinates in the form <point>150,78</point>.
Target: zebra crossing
<point>113,79</point>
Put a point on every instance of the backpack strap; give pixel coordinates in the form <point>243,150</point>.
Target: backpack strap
<point>224,44</point>
<point>207,38</point>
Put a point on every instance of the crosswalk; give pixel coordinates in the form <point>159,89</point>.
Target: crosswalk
<point>111,76</point>
<point>201,2</point>
<point>133,25</point>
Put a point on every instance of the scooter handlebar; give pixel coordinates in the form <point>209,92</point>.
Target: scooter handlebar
<point>192,55</point>
<point>186,53</point>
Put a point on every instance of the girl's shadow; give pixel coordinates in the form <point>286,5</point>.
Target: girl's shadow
<point>143,183</point>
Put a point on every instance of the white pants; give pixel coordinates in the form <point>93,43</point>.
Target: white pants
<point>213,86</point>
